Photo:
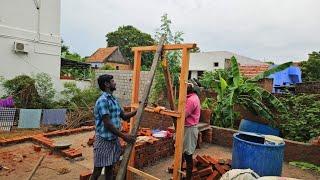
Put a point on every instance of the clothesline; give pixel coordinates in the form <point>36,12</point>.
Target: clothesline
<point>31,118</point>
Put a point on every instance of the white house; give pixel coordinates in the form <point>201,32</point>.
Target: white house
<point>208,61</point>
<point>30,39</point>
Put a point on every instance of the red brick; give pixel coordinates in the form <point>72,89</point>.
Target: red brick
<point>196,177</point>
<point>205,172</point>
<point>214,176</point>
<point>219,168</point>
<point>85,175</point>
<point>36,148</point>
<point>212,160</point>
<point>202,161</point>
<point>226,167</point>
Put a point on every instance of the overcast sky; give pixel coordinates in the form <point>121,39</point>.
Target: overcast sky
<point>276,30</point>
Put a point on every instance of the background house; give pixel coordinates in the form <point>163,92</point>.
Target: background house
<point>30,39</point>
<point>110,56</point>
<point>208,61</point>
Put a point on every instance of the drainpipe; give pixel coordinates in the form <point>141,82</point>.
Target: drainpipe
<point>37,4</point>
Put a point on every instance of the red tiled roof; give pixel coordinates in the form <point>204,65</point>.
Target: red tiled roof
<point>101,54</point>
<point>252,70</point>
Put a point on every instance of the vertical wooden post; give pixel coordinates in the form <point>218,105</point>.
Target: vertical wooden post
<point>168,80</point>
<point>134,99</point>
<point>181,110</point>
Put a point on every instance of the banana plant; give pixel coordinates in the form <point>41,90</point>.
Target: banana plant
<point>236,89</point>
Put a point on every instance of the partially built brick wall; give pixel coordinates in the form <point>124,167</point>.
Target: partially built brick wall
<point>149,154</point>
<point>156,121</point>
<point>123,79</point>
<point>308,87</point>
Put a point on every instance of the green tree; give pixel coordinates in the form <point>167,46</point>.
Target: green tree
<point>126,37</point>
<point>173,57</point>
<point>311,68</point>
<point>234,89</point>
<point>65,53</point>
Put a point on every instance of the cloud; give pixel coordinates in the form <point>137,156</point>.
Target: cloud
<point>265,29</point>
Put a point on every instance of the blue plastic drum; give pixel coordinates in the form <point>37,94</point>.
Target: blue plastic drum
<point>250,151</point>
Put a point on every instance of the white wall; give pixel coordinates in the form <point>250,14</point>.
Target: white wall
<point>97,65</point>
<point>39,29</point>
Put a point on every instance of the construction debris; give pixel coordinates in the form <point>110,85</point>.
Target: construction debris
<point>207,167</point>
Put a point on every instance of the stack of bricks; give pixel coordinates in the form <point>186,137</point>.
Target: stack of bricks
<point>148,154</point>
<point>207,167</point>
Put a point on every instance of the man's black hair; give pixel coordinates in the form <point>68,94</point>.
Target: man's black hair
<point>102,79</point>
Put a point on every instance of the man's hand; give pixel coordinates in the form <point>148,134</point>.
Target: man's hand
<point>129,138</point>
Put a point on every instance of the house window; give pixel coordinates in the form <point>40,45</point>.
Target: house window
<point>199,73</point>
<point>117,67</point>
<point>215,64</point>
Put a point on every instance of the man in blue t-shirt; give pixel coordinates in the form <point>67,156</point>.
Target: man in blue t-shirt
<point>107,113</point>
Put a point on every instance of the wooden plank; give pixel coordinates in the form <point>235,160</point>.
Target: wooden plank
<point>167,78</point>
<point>181,110</point>
<point>163,112</point>
<point>124,163</point>
<point>168,81</point>
<point>36,167</point>
<point>165,47</point>
<point>141,173</point>
<point>134,97</point>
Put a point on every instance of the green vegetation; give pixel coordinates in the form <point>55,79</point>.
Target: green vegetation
<point>65,53</point>
<point>38,92</point>
<point>302,121</point>
<point>74,98</point>
<point>107,67</point>
<point>173,58</point>
<point>305,165</point>
<point>126,37</point>
<point>28,92</point>
<point>233,89</point>
<point>311,68</point>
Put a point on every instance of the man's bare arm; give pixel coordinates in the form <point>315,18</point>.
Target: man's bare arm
<point>127,116</point>
<point>110,127</point>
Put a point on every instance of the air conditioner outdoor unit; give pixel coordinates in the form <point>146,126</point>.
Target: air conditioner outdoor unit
<point>20,47</point>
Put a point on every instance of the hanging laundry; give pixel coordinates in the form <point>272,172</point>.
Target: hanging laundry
<point>54,116</point>
<point>29,118</point>
<point>6,118</point>
<point>7,102</point>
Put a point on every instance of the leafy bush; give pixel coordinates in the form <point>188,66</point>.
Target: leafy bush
<point>107,67</point>
<point>77,73</point>
<point>302,121</point>
<point>208,103</point>
<point>75,97</point>
<point>208,78</point>
<point>46,92</point>
<point>311,68</point>
<point>31,92</point>
<point>305,165</point>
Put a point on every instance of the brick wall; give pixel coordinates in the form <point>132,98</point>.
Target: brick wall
<point>266,84</point>
<point>156,121</point>
<point>294,151</point>
<point>149,154</point>
<point>124,84</point>
<point>308,87</point>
